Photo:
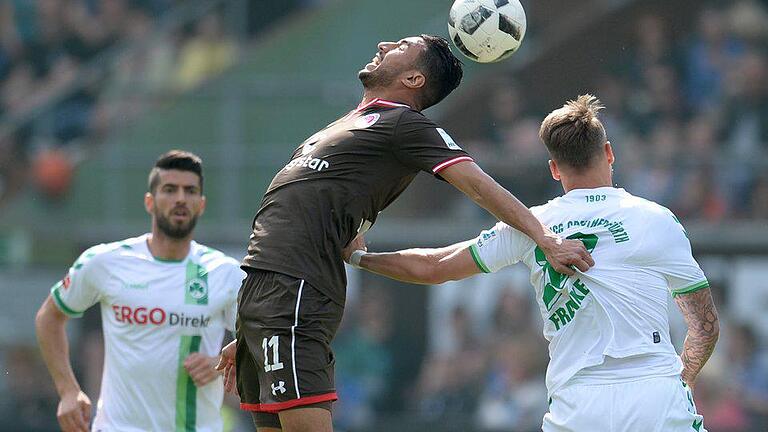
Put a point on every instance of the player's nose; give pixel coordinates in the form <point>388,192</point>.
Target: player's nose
<point>385,46</point>
<point>181,196</point>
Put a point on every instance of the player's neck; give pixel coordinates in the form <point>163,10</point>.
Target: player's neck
<point>166,248</point>
<point>385,94</point>
<point>586,181</point>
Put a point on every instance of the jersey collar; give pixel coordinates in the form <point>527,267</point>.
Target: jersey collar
<point>592,191</point>
<point>145,247</point>
<point>380,102</point>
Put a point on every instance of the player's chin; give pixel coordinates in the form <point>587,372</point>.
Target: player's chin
<point>180,230</point>
<point>367,70</point>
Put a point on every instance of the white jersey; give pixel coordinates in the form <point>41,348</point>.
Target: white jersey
<point>154,314</point>
<point>610,323</point>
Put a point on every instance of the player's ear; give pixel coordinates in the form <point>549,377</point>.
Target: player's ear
<point>414,79</point>
<point>202,205</point>
<point>554,170</point>
<point>149,202</point>
<point>609,152</point>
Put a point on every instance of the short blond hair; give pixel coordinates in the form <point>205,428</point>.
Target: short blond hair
<point>573,134</point>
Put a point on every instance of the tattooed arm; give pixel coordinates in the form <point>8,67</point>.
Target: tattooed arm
<point>703,330</point>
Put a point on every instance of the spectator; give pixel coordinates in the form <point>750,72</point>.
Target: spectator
<point>31,397</point>
<point>758,201</point>
<point>209,51</point>
<point>449,382</point>
<point>699,197</point>
<point>514,394</point>
<point>364,361</point>
<point>720,405</point>
<point>748,363</point>
<point>711,52</point>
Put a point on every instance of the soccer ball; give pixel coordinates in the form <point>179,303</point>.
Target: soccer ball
<point>487,30</point>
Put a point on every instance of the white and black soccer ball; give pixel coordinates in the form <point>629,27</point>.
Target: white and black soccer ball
<point>487,30</point>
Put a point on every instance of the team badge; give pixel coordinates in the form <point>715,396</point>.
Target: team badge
<point>197,288</point>
<point>66,281</point>
<point>367,120</point>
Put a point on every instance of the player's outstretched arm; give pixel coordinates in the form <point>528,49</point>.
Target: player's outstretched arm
<point>481,188</point>
<point>420,266</point>
<point>703,331</point>
<point>74,410</point>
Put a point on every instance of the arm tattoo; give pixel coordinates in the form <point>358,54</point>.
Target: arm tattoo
<point>703,330</point>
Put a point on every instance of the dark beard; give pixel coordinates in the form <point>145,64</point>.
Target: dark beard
<point>175,231</point>
<point>378,78</point>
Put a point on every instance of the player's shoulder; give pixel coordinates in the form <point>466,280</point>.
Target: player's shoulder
<point>660,225</point>
<point>413,115</point>
<point>407,116</point>
<point>503,230</point>
<point>213,258</point>
<point>105,252</point>
<point>548,210</point>
<point>645,208</point>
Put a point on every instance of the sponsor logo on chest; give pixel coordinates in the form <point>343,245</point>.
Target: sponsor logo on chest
<point>158,316</point>
<point>307,161</point>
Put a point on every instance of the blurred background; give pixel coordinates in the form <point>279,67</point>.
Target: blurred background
<point>92,91</point>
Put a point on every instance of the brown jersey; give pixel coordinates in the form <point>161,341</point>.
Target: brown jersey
<point>336,183</point>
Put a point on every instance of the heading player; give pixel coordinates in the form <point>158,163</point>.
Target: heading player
<point>612,364</point>
<point>165,302</point>
<point>334,187</point>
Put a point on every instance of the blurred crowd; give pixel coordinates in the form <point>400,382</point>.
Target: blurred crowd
<point>72,69</point>
<point>687,114</point>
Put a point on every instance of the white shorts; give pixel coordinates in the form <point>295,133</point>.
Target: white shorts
<point>661,404</point>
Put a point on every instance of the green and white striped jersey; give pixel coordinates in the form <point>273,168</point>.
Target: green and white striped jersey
<point>154,314</point>
<point>610,323</point>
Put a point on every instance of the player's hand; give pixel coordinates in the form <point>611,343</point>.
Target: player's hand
<point>358,243</point>
<point>74,412</point>
<point>227,365</point>
<point>566,255</point>
<point>201,368</point>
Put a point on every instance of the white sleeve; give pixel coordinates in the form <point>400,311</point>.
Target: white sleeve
<point>499,247</point>
<point>234,281</point>
<point>673,257</point>
<point>79,289</point>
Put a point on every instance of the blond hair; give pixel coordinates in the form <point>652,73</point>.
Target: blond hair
<point>573,134</point>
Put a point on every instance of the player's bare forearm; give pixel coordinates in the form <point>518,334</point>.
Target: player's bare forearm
<point>488,194</point>
<point>423,266</point>
<point>50,326</point>
<point>703,331</point>
<point>475,183</point>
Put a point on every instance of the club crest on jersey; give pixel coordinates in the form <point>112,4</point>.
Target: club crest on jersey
<point>197,288</point>
<point>367,120</point>
<point>66,281</point>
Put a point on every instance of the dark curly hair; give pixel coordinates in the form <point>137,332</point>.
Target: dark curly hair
<point>443,71</point>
